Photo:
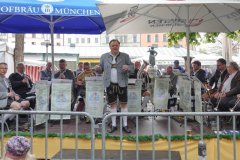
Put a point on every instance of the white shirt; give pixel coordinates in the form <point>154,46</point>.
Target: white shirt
<point>227,83</point>
<point>114,78</point>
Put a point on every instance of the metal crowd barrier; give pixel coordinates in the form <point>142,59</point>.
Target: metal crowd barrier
<point>169,115</point>
<point>31,119</point>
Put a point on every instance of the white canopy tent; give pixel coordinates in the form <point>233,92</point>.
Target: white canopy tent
<point>153,16</point>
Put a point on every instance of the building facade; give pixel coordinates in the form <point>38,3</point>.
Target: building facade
<point>158,40</point>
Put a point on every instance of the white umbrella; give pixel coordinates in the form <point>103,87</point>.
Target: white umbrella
<point>154,16</point>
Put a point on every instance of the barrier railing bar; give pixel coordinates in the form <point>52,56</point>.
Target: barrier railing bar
<point>76,137</point>
<point>165,114</point>
<point>153,139</point>
<point>2,135</point>
<point>17,124</point>
<point>137,140</point>
<point>31,132</point>
<point>92,135</point>
<point>201,128</point>
<point>234,138</point>
<point>121,151</point>
<point>61,135</point>
<point>104,137</point>
<point>169,138</point>
<point>46,139</point>
<point>218,143</point>
<point>185,137</point>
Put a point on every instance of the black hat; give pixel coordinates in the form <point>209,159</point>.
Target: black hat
<point>176,62</point>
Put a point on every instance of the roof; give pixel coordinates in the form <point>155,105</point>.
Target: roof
<point>96,52</point>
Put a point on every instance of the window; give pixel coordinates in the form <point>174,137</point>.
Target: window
<point>96,40</point>
<point>82,40</point>
<point>77,40</point>
<point>125,38</point>
<point>13,35</point>
<point>69,40</point>
<point>148,38</point>
<point>156,38</point>
<point>164,38</point>
<point>33,43</point>
<point>134,38</point>
<point>58,44</point>
<point>88,40</point>
<point>120,38</point>
<point>33,35</point>
<point>58,36</point>
<point>107,39</point>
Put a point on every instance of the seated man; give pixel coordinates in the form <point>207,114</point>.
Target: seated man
<point>198,72</point>
<point>217,79</point>
<point>8,98</point>
<point>172,82</point>
<point>65,73</point>
<point>141,72</point>
<point>137,66</point>
<point>79,70</point>
<point>21,83</point>
<point>177,66</point>
<point>229,89</point>
<point>47,73</point>
<point>88,72</point>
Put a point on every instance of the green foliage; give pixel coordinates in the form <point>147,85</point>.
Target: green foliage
<point>234,35</point>
<point>195,38</point>
<point>142,138</point>
<point>174,38</point>
<point>210,37</point>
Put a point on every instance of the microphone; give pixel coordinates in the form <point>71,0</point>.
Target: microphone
<point>26,77</point>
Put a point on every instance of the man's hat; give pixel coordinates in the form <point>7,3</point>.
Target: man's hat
<point>176,62</point>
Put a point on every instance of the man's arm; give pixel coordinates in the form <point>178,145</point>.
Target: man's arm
<point>43,76</point>
<point>202,76</point>
<point>3,95</point>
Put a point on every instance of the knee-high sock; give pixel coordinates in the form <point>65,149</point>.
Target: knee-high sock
<point>114,110</point>
<point>124,117</point>
<point>8,116</point>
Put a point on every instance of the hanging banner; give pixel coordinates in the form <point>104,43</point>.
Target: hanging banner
<point>94,96</point>
<point>160,93</point>
<point>135,96</point>
<point>198,100</point>
<point>185,94</point>
<point>61,97</point>
<point>42,100</point>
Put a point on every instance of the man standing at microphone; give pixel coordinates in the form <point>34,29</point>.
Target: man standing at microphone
<point>116,66</point>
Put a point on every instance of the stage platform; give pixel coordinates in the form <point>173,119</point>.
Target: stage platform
<point>84,154</point>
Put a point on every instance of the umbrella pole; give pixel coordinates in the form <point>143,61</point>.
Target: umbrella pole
<point>187,42</point>
<point>51,25</point>
<point>188,51</point>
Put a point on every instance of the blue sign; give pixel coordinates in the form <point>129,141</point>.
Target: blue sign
<point>34,16</point>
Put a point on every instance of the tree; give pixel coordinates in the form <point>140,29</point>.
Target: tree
<point>230,39</point>
<point>19,49</point>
